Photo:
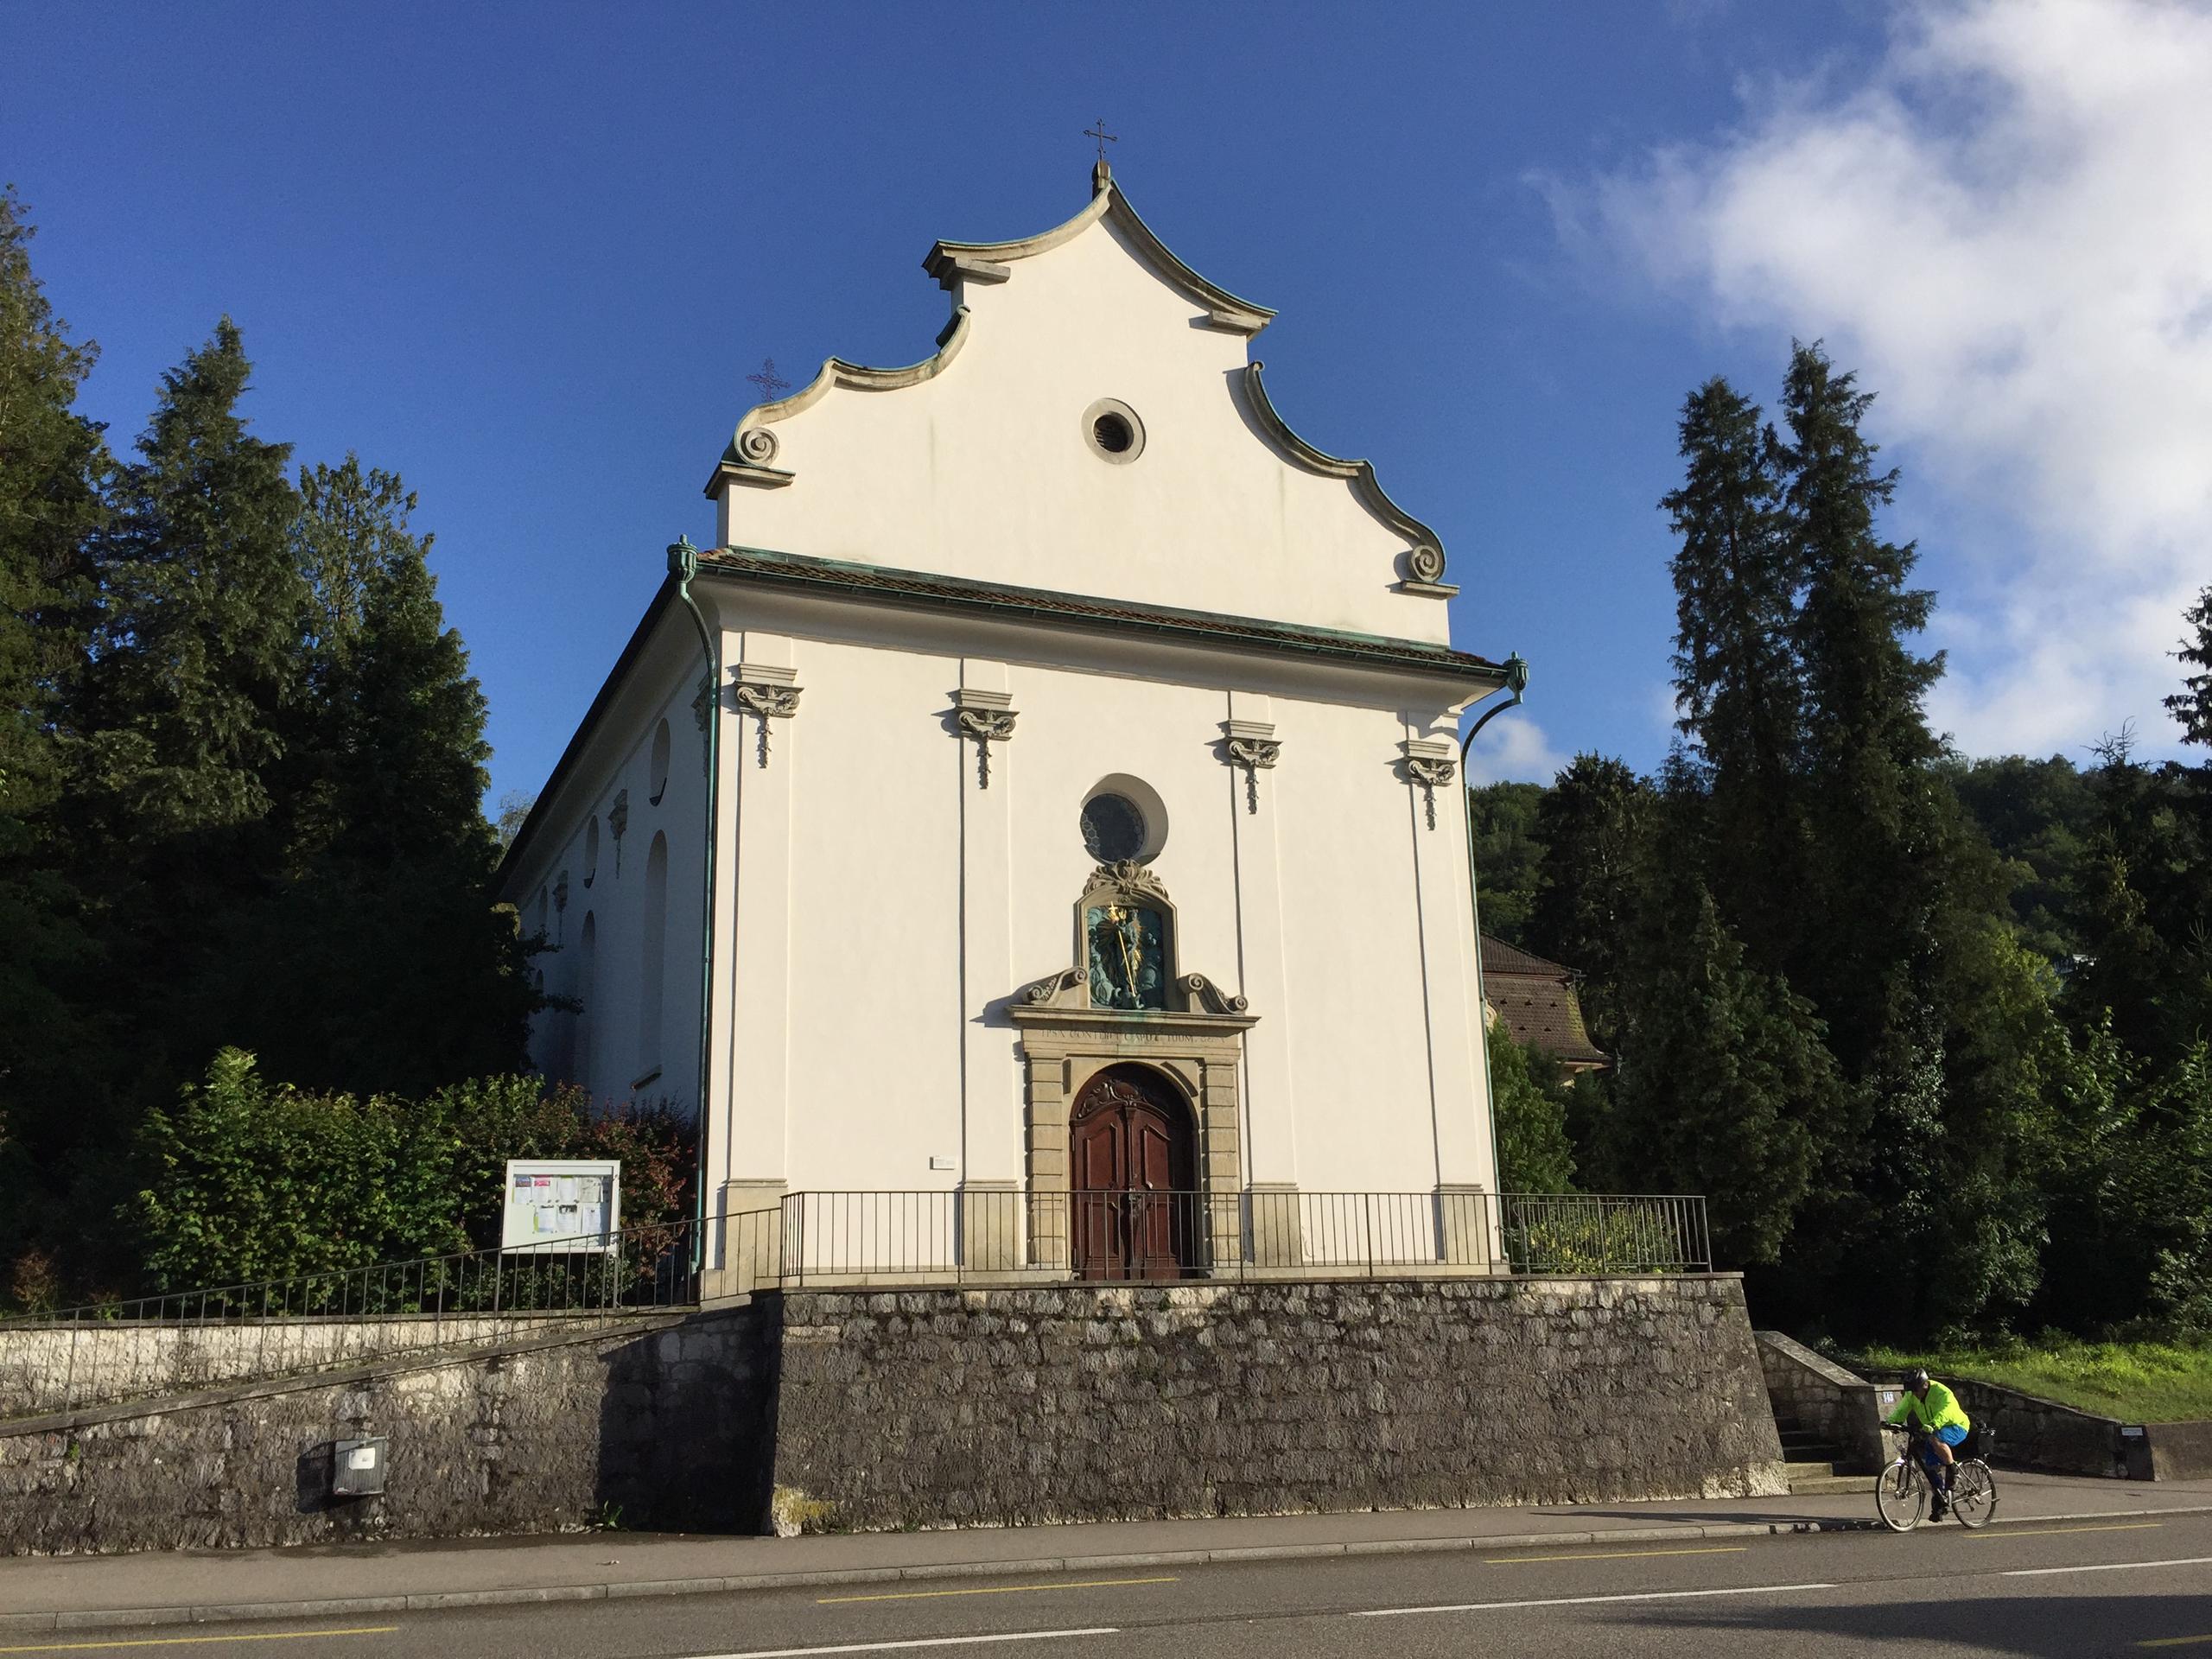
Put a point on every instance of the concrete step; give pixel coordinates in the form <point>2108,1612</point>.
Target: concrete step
<point>1797,1466</point>
<point>1809,1485</point>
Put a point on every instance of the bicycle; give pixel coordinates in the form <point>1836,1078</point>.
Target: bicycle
<point>1902,1491</point>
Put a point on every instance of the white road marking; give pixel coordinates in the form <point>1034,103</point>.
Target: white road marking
<point>1584,1601</point>
<point>920,1642</point>
<point>2104,1566</point>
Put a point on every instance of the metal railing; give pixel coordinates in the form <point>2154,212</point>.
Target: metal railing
<point>112,1351</point>
<point>126,1349</point>
<point>966,1235</point>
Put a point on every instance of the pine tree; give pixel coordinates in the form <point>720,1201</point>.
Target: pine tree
<point>1736,573</point>
<point>1590,825</point>
<point>173,731</point>
<point>2192,706</point>
<point>201,606</point>
<point>387,855</point>
<point>1931,1011</point>
<point>52,464</point>
<point>1867,745</point>
<point>1725,1087</point>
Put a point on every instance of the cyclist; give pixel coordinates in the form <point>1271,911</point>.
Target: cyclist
<point>1928,1405</point>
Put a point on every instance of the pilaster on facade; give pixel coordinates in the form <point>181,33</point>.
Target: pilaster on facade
<point>1271,1150</point>
<point>1470,1228</point>
<point>1278,1225</point>
<point>990,1108</point>
<point>757,1016</point>
<point>749,1251</point>
<point>1459,1097</point>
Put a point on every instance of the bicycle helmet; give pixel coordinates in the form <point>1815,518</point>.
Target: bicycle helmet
<point>1916,1380</point>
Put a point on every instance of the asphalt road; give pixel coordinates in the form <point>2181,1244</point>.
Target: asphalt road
<point>2139,1586</point>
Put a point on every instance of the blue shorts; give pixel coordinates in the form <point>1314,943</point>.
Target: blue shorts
<point>1951,1434</point>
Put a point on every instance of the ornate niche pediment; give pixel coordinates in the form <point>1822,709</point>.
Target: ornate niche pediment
<point>1126,968</point>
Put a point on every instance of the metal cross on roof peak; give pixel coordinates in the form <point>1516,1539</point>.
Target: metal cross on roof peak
<point>1103,136</point>
<point>772,385</point>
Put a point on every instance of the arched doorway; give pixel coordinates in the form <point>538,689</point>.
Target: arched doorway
<point>1132,1179</point>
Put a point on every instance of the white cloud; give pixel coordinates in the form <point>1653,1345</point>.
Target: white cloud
<point>2008,230</point>
<point>1513,749</point>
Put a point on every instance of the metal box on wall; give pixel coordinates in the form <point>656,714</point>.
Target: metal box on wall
<point>357,1467</point>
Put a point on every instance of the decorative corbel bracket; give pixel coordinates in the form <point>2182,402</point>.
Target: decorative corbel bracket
<point>1252,745</point>
<point>1070,988</point>
<point>765,691</point>
<point>1429,764</point>
<point>618,824</point>
<point>1425,572</point>
<point>1201,995</point>
<point>985,716</point>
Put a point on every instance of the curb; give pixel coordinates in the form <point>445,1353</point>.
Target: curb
<point>328,1607</point>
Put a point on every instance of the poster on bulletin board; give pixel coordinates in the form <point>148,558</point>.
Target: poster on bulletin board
<point>560,1206</point>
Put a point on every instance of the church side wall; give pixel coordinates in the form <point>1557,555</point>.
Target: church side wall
<point>599,940</point>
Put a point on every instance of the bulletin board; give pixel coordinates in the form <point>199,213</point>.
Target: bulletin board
<point>560,1206</point>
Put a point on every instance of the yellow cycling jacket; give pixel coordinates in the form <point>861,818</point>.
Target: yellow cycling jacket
<point>1940,1410</point>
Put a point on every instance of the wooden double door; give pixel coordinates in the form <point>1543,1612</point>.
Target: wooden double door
<point>1135,1211</point>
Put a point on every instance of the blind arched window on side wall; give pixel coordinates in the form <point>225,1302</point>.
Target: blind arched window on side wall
<point>654,967</point>
<point>580,1021</point>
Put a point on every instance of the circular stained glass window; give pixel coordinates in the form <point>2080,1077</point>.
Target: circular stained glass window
<point>1113,828</point>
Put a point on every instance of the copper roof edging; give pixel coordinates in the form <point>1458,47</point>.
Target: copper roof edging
<point>892,586</point>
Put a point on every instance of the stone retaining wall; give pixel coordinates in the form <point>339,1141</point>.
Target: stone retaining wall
<point>1840,1406</point>
<point>63,1367</point>
<point>541,1434</point>
<point>2029,1431</point>
<point>952,1407</point>
<point>1089,1402</point>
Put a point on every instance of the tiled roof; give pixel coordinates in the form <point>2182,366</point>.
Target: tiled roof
<point>1535,999</point>
<point>1499,957</point>
<point>919,588</point>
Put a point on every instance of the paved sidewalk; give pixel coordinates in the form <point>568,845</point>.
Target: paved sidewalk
<point>70,1592</point>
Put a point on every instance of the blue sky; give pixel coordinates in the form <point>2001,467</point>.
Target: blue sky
<point>526,256</point>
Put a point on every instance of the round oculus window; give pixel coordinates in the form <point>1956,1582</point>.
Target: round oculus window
<point>1114,431</point>
<point>1113,828</point>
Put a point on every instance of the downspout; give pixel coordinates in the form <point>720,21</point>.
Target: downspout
<point>1517,681</point>
<point>683,569</point>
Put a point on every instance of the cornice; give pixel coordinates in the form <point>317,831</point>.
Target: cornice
<point>952,262</point>
<point>1424,559</point>
<point>744,462</point>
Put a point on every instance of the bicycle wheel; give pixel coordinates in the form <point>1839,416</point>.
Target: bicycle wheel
<point>1901,1496</point>
<point>1974,1492</point>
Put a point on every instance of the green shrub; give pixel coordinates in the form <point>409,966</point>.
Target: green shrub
<point>255,1180</point>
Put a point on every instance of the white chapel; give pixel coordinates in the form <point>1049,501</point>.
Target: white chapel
<point>1068,873</point>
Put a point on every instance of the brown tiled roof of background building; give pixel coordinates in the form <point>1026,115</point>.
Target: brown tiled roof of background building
<point>1535,999</point>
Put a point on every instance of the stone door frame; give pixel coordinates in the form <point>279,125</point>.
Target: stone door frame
<point>1198,1052</point>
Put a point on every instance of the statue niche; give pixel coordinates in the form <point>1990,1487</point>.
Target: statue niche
<point>1126,955</point>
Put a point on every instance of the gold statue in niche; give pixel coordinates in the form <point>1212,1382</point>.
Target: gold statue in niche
<point>1129,956</point>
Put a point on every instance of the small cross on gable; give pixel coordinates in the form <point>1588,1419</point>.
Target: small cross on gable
<point>1103,136</point>
<point>772,385</point>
